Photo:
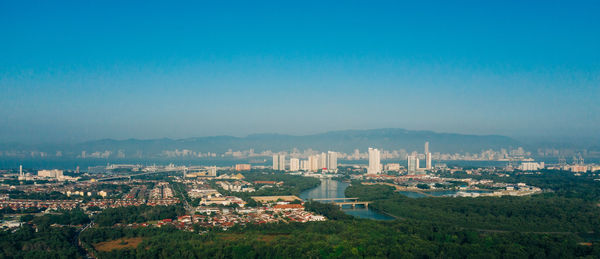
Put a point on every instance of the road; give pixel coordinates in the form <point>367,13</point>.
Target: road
<point>130,175</point>
<point>77,242</point>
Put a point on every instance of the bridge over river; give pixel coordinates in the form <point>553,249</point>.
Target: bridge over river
<point>333,191</point>
<point>345,201</point>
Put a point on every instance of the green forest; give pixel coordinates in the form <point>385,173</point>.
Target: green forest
<point>137,214</point>
<point>50,242</point>
<point>537,213</point>
<point>344,238</point>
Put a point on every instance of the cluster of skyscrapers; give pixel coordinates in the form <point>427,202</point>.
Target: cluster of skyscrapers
<point>314,163</point>
<point>328,161</point>
<point>413,161</point>
<point>375,166</point>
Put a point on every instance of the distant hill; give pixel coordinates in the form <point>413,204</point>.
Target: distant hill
<point>344,141</point>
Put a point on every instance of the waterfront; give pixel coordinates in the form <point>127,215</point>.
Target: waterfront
<point>335,189</point>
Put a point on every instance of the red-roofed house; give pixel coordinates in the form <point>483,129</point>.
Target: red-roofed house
<point>288,207</point>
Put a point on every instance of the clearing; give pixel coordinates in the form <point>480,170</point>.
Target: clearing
<point>121,243</point>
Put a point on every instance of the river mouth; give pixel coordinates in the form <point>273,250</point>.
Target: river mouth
<point>335,189</point>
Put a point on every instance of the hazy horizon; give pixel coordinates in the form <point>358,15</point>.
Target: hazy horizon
<point>557,139</point>
<point>80,71</point>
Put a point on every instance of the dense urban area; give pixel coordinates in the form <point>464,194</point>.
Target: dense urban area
<point>422,207</point>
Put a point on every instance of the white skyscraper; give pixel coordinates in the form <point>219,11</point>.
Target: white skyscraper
<point>21,174</point>
<point>314,163</point>
<point>282,162</point>
<point>323,160</point>
<point>374,161</point>
<point>332,160</point>
<point>294,164</point>
<point>413,164</point>
<point>427,156</point>
<point>279,162</point>
<point>275,162</point>
<point>304,165</point>
<point>428,161</point>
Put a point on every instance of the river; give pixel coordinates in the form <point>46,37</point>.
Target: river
<point>335,189</point>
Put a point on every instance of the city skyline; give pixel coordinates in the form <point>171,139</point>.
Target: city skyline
<point>279,147</point>
<point>72,72</point>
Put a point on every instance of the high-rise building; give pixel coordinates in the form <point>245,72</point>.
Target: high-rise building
<point>313,163</point>
<point>275,162</point>
<point>323,161</point>
<point>294,164</point>
<point>374,161</point>
<point>413,164</point>
<point>212,171</point>
<point>282,162</point>
<point>332,160</point>
<point>279,162</point>
<point>428,161</point>
<point>427,157</point>
<point>304,165</point>
<point>21,174</point>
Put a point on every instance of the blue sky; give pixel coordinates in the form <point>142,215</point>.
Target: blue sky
<point>81,70</point>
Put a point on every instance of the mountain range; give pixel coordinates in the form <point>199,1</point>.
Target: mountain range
<point>342,141</point>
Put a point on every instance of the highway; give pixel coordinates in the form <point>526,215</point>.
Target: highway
<point>130,175</point>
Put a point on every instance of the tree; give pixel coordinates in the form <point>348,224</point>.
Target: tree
<point>423,186</point>
<point>26,218</point>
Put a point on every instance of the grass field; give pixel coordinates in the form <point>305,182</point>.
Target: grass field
<point>121,243</point>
